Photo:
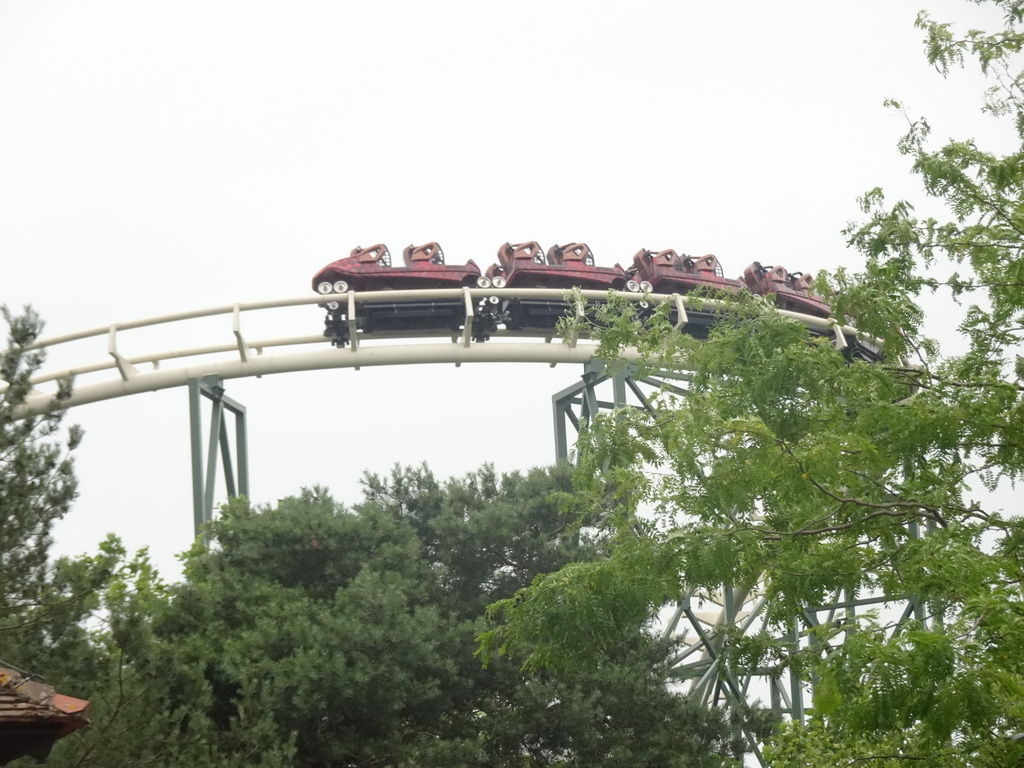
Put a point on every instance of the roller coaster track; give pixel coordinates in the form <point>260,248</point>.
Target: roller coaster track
<point>110,373</point>
<point>107,372</point>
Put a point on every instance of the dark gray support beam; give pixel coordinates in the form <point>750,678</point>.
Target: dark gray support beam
<point>639,394</point>
<point>196,431</point>
<point>561,403</point>
<point>796,691</point>
<point>216,423</point>
<point>590,407</point>
<point>619,390</point>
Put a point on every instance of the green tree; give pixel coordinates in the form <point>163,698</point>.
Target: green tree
<point>785,459</point>
<point>37,482</point>
<point>357,626</point>
<point>311,634</point>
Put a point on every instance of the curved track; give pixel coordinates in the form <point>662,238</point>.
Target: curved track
<point>228,350</point>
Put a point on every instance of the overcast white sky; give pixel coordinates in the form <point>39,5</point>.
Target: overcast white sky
<point>164,156</point>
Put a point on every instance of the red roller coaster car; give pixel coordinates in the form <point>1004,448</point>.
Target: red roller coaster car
<point>524,265</point>
<point>789,288</point>
<point>668,272</point>
<point>369,269</point>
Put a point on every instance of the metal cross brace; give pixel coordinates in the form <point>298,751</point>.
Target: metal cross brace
<point>584,395</point>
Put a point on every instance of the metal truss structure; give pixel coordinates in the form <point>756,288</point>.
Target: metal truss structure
<point>584,395</point>
<point>704,624</point>
<point>701,623</point>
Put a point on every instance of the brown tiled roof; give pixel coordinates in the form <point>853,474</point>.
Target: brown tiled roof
<point>33,716</point>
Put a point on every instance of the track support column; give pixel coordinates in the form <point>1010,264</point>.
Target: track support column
<point>236,477</point>
<point>584,396</point>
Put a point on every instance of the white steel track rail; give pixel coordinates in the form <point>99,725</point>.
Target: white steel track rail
<point>234,355</point>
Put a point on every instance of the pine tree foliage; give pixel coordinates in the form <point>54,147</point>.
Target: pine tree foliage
<point>37,482</point>
<point>788,463</point>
